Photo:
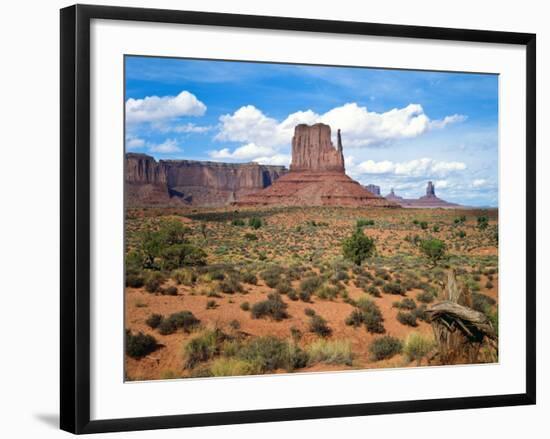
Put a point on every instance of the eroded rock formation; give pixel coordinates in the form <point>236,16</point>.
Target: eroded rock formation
<point>373,188</point>
<point>317,176</point>
<point>312,149</point>
<point>199,183</point>
<point>428,201</point>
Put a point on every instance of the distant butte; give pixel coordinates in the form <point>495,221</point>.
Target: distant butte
<point>317,176</point>
<point>428,201</point>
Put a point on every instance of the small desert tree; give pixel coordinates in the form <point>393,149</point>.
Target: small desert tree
<point>358,247</point>
<point>482,222</point>
<point>433,249</point>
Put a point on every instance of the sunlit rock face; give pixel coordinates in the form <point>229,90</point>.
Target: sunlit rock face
<point>317,175</point>
<point>312,149</point>
<point>192,182</point>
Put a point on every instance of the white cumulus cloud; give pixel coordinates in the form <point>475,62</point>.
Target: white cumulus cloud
<point>168,146</point>
<point>166,127</point>
<point>424,167</point>
<point>360,127</point>
<point>133,142</point>
<point>276,159</point>
<point>245,152</point>
<point>447,120</point>
<point>155,108</point>
<point>479,182</point>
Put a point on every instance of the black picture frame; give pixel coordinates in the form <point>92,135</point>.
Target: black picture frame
<point>75,217</point>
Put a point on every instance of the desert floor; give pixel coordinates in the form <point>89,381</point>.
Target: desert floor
<point>300,243</point>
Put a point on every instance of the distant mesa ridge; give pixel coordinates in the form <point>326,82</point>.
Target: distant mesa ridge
<point>317,175</point>
<point>375,189</point>
<point>430,200</point>
<point>190,182</point>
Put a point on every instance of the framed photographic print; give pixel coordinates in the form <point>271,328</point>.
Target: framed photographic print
<point>268,218</point>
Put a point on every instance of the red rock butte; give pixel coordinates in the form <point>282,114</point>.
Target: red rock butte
<point>317,176</point>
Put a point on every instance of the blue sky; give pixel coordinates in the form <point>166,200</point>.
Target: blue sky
<point>400,128</point>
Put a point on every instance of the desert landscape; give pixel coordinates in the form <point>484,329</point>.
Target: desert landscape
<point>249,269</point>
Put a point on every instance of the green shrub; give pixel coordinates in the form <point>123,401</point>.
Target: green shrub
<point>139,345</point>
<point>273,307</point>
<point>211,304</point>
<point>272,275</point>
<point>327,292</point>
<point>255,222</point>
<point>355,319</point>
<point>181,320</point>
<point>407,318</point>
<point>249,278</point>
<point>310,284</point>
<point>203,347</point>
<point>358,247</point>
<point>223,367</point>
<point>305,296</point>
<point>153,321</point>
<point>385,347</point>
<point>309,312</point>
<point>180,255</point>
<point>250,236</point>
<point>230,285</point>
<point>417,346</point>
<point>134,280</point>
<point>245,306</point>
<point>393,288</point>
<point>169,291</point>
<point>292,295</point>
<point>153,281</point>
<point>330,352</point>
<point>489,284</point>
<point>482,303</point>
<point>364,222</point>
<point>283,286</point>
<point>433,249</point>
<point>237,222</point>
<point>425,297</point>
<point>405,304</point>
<point>185,276</point>
<point>166,327</point>
<point>373,291</point>
<point>318,325</point>
<point>423,225</point>
<point>482,222</point>
<point>372,316</point>
<point>460,220</point>
<point>270,353</point>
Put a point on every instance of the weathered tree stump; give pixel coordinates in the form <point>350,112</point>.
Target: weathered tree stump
<point>459,330</point>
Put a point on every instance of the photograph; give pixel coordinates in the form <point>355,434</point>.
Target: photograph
<point>297,218</point>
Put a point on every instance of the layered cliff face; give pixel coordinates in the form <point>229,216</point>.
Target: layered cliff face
<point>312,149</point>
<point>144,169</point>
<point>176,182</point>
<point>317,176</point>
